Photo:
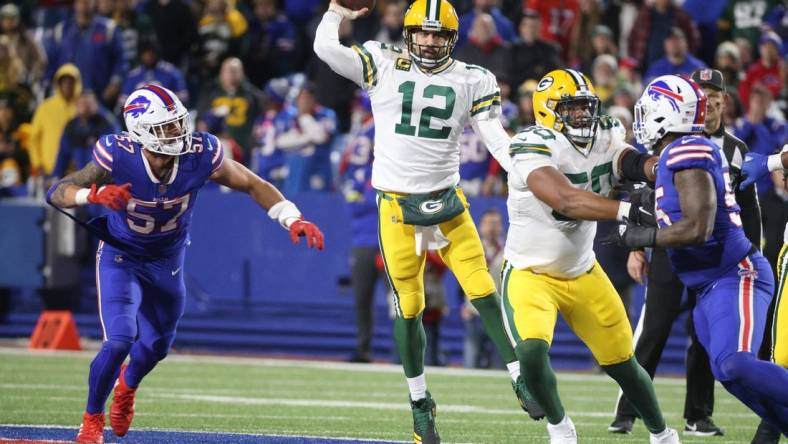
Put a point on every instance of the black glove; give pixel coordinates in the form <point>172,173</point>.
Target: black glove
<point>632,236</point>
<point>642,216</point>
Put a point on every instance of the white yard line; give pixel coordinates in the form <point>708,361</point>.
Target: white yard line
<point>327,365</point>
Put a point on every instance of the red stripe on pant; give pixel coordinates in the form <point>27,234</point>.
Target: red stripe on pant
<point>745,305</point>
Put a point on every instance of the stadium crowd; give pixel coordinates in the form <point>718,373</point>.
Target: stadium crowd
<point>248,69</point>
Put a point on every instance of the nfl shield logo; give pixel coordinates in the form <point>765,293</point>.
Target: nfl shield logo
<point>705,75</point>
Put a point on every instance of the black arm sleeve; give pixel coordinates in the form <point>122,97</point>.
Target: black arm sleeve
<point>750,214</point>
<point>632,164</point>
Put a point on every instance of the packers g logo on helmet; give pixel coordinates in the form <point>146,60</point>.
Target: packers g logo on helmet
<point>436,16</point>
<point>558,92</point>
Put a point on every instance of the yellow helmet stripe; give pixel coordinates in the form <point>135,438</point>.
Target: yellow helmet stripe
<point>370,71</point>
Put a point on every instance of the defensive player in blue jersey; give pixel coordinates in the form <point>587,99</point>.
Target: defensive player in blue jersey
<point>150,178</point>
<point>700,226</point>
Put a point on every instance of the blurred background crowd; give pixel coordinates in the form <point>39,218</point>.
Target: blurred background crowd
<point>247,70</point>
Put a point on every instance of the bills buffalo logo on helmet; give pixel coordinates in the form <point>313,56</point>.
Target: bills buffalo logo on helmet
<point>137,107</point>
<point>661,90</point>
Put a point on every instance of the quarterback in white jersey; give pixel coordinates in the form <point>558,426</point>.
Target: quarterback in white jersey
<point>422,99</point>
<point>561,169</point>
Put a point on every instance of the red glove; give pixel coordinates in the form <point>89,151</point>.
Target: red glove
<point>301,227</point>
<point>111,196</point>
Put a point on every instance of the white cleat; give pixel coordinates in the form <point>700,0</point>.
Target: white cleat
<point>562,433</point>
<point>667,436</point>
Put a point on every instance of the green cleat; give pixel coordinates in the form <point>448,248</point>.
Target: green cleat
<point>424,431</point>
<point>527,402</point>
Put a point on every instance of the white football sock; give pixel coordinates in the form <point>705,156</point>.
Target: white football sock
<point>514,369</point>
<point>417,387</point>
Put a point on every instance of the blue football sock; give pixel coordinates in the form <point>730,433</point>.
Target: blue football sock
<point>104,371</point>
<point>142,361</point>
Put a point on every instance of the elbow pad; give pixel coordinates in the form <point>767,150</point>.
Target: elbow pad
<point>633,166</point>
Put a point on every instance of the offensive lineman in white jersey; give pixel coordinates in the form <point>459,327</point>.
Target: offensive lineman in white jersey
<point>561,169</point>
<point>421,101</point>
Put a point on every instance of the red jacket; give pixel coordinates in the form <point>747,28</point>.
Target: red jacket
<point>758,73</point>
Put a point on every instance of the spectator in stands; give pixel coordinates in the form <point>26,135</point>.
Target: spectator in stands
<point>744,19</point>
<point>268,161</point>
<point>355,171</point>
<point>27,48</point>
<point>525,105</point>
<point>82,132</point>
<point>334,91</point>
<point>766,71</point>
<point>485,46</point>
<point>706,15</point>
<point>761,132</point>
<point>532,57</point>
<point>94,45</point>
<point>390,31</point>
<point>15,160</point>
<point>307,135</point>
<point>152,69</point>
<point>728,61</point>
<point>677,59</point>
<point>175,28</point>
<point>216,125</point>
<point>435,308</point>
<point>733,110</point>
<point>605,78</point>
<point>135,28</point>
<point>580,53</point>
<point>51,118</point>
<point>233,96</point>
<point>12,74</point>
<point>12,167</point>
<point>502,23</point>
<point>602,42</point>
<point>221,30</point>
<point>478,349</point>
<point>273,45</point>
<point>654,24</point>
<point>625,116</point>
<point>558,19</point>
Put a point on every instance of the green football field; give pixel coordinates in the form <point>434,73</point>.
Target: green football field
<point>329,399</point>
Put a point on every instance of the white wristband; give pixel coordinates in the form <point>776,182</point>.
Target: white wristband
<point>81,198</point>
<point>775,162</point>
<point>284,212</point>
<point>623,211</point>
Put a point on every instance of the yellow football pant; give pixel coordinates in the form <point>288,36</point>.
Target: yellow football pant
<point>464,256</point>
<point>780,323</point>
<point>588,303</point>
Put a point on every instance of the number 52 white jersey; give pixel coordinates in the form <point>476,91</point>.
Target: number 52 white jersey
<point>540,238</point>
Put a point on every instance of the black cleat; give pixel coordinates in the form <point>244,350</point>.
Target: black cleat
<point>424,431</point>
<point>766,434</point>
<point>702,427</point>
<point>527,402</point>
<point>622,424</point>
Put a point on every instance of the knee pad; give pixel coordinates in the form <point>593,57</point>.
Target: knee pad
<point>735,366</point>
<point>160,347</point>
<point>478,283</point>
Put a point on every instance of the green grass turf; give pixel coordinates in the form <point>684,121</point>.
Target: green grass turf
<point>247,395</point>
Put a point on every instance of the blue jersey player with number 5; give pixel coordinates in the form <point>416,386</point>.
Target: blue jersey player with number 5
<point>150,178</point>
<point>699,224</point>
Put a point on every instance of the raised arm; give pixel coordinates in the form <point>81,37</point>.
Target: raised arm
<point>345,61</point>
<point>239,178</point>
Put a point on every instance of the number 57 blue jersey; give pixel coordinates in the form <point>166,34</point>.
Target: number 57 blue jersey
<point>155,222</point>
<point>700,265</point>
